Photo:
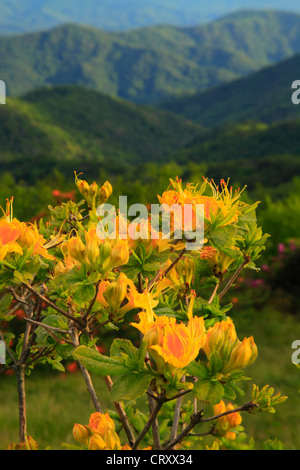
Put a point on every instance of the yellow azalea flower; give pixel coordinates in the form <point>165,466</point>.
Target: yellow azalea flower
<point>170,342</point>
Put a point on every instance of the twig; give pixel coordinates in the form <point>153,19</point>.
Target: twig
<point>176,418</point>
<point>51,304</point>
<point>148,425</point>
<point>50,329</point>
<point>214,292</point>
<point>47,327</point>
<point>163,275</point>
<point>155,428</point>
<point>92,303</point>
<point>121,413</point>
<point>197,418</point>
<point>86,376</point>
<point>20,374</point>
<point>233,278</point>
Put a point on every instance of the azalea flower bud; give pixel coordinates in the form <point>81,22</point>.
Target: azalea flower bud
<point>104,192</point>
<point>29,236</point>
<point>83,187</point>
<point>96,443</point>
<point>31,443</point>
<point>112,440</point>
<point>119,255</point>
<point>116,292</point>
<point>76,249</point>
<point>240,356</point>
<point>221,338</point>
<point>104,251</point>
<point>253,349</point>
<point>234,419</point>
<point>92,193</point>
<point>92,253</point>
<point>81,434</point>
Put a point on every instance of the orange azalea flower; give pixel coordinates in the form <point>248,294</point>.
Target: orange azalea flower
<point>9,233</point>
<point>104,436</point>
<point>226,423</point>
<point>169,342</point>
<point>180,344</point>
<point>100,423</point>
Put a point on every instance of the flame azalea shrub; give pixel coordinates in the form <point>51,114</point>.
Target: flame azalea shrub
<point>75,285</point>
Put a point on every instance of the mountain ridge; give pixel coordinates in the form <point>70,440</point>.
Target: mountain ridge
<point>149,64</point>
<point>263,96</point>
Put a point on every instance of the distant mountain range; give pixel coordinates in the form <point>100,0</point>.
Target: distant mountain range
<point>32,15</point>
<point>263,96</point>
<point>150,64</point>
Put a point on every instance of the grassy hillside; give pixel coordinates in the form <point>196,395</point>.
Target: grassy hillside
<point>70,126</point>
<point>252,154</point>
<point>263,96</point>
<point>149,64</point>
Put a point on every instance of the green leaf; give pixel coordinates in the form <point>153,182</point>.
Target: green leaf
<point>120,347</point>
<point>83,293</point>
<point>130,386</point>
<point>99,364</point>
<point>208,391</point>
<point>215,362</point>
<point>197,370</point>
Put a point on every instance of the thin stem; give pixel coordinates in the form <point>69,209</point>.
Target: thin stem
<point>87,377</point>
<point>235,275</point>
<point>155,427</point>
<point>148,425</point>
<point>245,407</point>
<point>176,418</point>
<point>51,304</point>
<point>152,283</point>
<point>214,292</point>
<point>20,374</point>
<point>121,413</point>
<point>92,303</point>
